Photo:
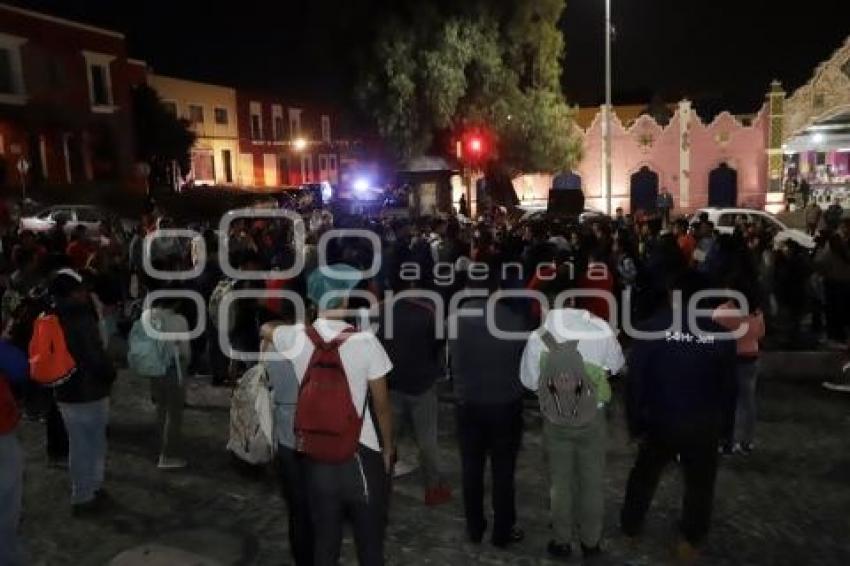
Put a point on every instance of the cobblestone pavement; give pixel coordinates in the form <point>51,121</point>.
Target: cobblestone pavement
<point>789,503</point>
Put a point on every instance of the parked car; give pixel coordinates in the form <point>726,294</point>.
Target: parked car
<point>533,213</point>
<point>725,220</point>
<point>591,214</point>
<point>75,215</point>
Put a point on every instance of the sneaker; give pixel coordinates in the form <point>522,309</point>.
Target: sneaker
<point>842,382</point>
<point>103,497</point>
<point>476,536</point>
<point>404,468</point>
<point>559,550</point>
<point>85,510</point>
<point>686,553</point>
<point>591,552</point>
<point>58,463</point>
<point>438,495</point>
<point>633,542</point>
<point>835,345</point>
<point>516,535</point>
<point>171,463</point>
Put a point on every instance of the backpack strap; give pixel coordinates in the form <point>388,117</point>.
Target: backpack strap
<point>551,344</point>
<point>321,344</point>
<point>548,340</point>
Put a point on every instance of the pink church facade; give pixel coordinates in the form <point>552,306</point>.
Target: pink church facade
<point>683,153</point>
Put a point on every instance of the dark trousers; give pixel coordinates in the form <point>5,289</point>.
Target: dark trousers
<point>699,465</point>
<point>357,490</point>
<point>57,435</point>
<point>219,363</point>
<point>494,431</point>
<point>293,486</point>
<point>835,295</point>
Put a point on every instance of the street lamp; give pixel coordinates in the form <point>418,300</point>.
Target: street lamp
<point>300,144</point>
<point>607,140</point>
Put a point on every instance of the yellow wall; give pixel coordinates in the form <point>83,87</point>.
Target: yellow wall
<point>211,136</point>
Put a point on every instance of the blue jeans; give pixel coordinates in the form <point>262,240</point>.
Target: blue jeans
<point>11,491</point>
<point>356,490</point>
<point>86,424</point>
<point>745,411</point>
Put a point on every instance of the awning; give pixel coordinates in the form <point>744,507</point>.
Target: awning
<point>832,134</point>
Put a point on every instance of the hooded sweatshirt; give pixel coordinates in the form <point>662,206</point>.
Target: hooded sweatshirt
<point>93,378</point>
<point>682,383</point>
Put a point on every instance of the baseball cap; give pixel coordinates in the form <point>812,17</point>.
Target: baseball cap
<point>65,282</point>
<point>337,278</point>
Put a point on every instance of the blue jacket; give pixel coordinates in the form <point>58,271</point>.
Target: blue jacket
<point>13,371</point>
<point>13,363</point>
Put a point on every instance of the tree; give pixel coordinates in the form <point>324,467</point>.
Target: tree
<point>162,138</point>
<point>496,65</point>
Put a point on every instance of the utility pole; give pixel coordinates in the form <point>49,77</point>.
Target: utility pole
<point>608,108</point>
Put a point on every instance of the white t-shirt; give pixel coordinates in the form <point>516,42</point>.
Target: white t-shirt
<point>595,339</point>
<point>363,359</point>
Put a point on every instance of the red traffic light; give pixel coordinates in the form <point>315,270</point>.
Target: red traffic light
<point>476,145</point>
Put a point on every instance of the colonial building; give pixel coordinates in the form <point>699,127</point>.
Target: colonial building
<point>65,91</point>
<point>64,100</point>
<point>727,161</point>
<point>211,112</point>
<point>281,143</point>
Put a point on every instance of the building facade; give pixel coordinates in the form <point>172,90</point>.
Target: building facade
<point>211,112</point>
<point>281,143</point>
<point>755,161</point>
<point>719,163</point>
<point>65,112</point>
<point>64,101</point>
<point>811,133</point>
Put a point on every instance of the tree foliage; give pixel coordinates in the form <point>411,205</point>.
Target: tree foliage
<point>497,66</point>
<point>161,137</point>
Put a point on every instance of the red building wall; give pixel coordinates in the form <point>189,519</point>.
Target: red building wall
<point>282,149</point>
<point>57,103</point>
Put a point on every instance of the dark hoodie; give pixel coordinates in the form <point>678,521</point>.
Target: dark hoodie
<point>682,385</point>
<point>94,376</point>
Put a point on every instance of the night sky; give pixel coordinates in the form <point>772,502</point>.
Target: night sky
<point>720,53</point>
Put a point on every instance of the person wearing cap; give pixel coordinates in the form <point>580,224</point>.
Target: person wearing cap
<point>357,489</point>
<point>84,398</point>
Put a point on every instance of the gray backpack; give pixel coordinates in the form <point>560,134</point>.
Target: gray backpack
<point>566,393</point>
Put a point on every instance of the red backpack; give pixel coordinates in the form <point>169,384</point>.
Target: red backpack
<point>50,362</point>
<point>327,425</point>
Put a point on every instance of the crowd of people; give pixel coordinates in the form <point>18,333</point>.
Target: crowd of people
<point>688,396</point>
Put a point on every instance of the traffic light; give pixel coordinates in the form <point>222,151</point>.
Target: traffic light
<point>473,146</point>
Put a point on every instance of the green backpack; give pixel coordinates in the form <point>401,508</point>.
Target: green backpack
<point>566,392</point>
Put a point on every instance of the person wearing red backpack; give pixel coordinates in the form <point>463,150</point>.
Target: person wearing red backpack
<point>342,380</point>
<point>84,398</point>
<point>13,371</point>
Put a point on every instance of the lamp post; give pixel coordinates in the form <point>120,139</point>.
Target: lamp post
<point>607,139</point>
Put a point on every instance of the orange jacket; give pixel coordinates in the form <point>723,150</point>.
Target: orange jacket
<point>728,316</point>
